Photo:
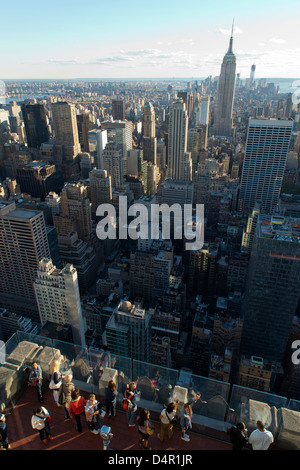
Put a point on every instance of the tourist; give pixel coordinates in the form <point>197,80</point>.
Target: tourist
<point>4,443</point>
<point>76,408</point>
<point>35,380</point>
<point>167,420</point>
<point>40,420</point>
<point>92,414</point>
<point>261,438</point>
<point>130,396</point>
<point>111,398</point>
<point>65,394</point>
<point>56,381</point>
<point>186,418</point>
<point>238,436</point>
<point>145,428</point>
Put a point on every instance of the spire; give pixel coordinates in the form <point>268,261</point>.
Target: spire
<point>230,51</point>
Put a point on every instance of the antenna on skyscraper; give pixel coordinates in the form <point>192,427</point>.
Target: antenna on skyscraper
<point>231,39</point>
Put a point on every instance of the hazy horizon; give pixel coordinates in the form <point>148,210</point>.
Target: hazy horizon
<point>66,40</point>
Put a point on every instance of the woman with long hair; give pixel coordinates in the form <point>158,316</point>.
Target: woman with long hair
<point>145,428</point>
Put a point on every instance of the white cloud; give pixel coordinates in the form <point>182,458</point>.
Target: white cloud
<point>277,40</point>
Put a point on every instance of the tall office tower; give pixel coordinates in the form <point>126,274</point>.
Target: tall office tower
<point>249,232</point>
<point>84,125</point>
<point>113,164</point>
<point>223,117</point>
<point>177,141</point>
<point>58,298</point>
<point>148,120</point>
<point>81,255</point>
<point>187,98</point>
<point>202,271</point>
<point>118,110</point>
<point>202,112</point>
<point>273,287</point>
<point>36,124</point>
<point>265,158</point>
<point>75,213</point>
<point>128,332</point>
<point>65,130</point>
<point>100,188</point>
<point>167,323</point>
<point>38,179</point>
<point>23,243</point>
<point>150,149</point>
<point>141,275</point>
<point>120,132</point>
<point>153,177</point>
<point>252,74</point>
<point>97,141</point>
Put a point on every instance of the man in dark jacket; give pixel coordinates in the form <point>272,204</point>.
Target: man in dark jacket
<point>238,436</point>
<point>4,443</point>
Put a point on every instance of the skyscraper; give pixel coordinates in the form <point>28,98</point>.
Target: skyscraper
<point>36,125</point>
<point>177,142</point>
<point>118,110</point>
<point>149,139</point>
<point>84,125</point>
<point>100,188</point>
<point>120,132</point>
<point>148,120</point>
<point>128,332</point>
<point>223,117</point>
<point>75,213</point>
<point>252,74</point>
<point>272,288</point>
<point>265,157</point>
<point>58,298</point>
<point>65,129</point>
<point>23,243</point>
<point>113,163</point>
<point>97,139</point>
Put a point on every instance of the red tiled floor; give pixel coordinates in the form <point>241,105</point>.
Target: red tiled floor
<point>23,437</point>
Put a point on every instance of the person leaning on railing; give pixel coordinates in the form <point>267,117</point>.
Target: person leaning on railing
<point>35,380</point>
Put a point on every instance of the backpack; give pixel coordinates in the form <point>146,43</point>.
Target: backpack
<point>126,403</point>
<point>61,396</point>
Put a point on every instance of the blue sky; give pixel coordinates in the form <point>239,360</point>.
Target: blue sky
<point>102,39</point>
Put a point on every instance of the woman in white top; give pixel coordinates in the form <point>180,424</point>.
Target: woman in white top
<point>167,417</point>
<point>39,421</point>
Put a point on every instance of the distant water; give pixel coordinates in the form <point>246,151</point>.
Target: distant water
<point>285,85</point>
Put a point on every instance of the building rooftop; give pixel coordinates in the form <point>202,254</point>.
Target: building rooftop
<point>23,437</point>
<point>91,369</point>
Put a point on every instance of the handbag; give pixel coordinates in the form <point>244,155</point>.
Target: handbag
<point>150,430</point>
<point>53,385</point>
<point>173,421</point>
<point>49,419</point>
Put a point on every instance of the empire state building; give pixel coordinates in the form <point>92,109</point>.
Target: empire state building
<point>223,119</point>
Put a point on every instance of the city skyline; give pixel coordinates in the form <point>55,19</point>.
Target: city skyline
<point>165,40</point>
